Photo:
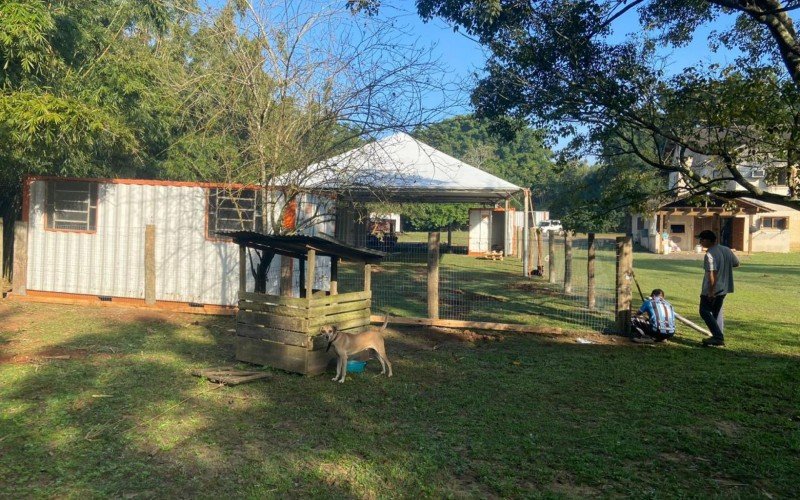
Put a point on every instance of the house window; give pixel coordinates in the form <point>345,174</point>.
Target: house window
<point>233,210</point>
<point>677,228</point>
<point>779,223</point>
<point>780,177</point>
<point>71,205</point>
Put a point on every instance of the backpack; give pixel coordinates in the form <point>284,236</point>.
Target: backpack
<point>663,320</point>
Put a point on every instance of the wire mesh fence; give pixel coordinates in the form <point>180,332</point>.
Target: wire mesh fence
<point>476,288</point>
<point>471,287</point>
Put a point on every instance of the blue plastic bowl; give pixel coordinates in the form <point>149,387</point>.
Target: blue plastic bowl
<point>355,366</point>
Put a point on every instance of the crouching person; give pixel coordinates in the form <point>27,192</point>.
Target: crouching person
<point>660,322</point>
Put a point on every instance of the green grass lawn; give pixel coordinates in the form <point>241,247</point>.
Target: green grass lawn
<point>525,416</point>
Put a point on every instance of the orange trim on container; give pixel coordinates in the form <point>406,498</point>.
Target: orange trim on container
<point>145,182</point>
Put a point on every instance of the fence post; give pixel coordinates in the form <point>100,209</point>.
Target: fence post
<point>567,262</point>
<point>367,277</point>
<point>242,269</point>
<point>531,242</point>
<point>551,250</point>
<point>624,275</point>
<point>334,275</point>
<point>433,275</point>
<point>150,264</point>
<point>539,251</point>
<point>590,262</point>
<point>310,273</point>
<point>526,261</point>
<point>2,262</point>
<point>20,268</point>
<point>287,281</point>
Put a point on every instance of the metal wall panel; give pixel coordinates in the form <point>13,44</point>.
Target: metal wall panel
<point>189,266</point>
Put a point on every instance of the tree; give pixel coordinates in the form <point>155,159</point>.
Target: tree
<point>559,64</point>
<point>275,89</point>
<point>76,93</point>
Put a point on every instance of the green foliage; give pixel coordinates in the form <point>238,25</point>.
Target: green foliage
<point>524,160</point>
<point>80,92</point>
<point>436,216</point>
<point>560,65</point>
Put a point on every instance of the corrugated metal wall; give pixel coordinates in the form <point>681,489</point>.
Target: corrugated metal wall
<point>189,267</point>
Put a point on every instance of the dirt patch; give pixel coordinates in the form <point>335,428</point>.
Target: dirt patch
<point>54,354</point>
<point>728,429</point>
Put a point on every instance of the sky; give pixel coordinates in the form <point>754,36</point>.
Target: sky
<point>464,58</point>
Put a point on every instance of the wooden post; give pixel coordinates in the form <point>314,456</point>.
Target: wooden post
<point>150,264</point>
<point>568,262</point>
<point>20,269</point>
<point>590,262</point>
<point>334,275</point>
<point>526,263</point>
<point>2,262</point>
<point>242,269</point>
<point>310,274</point>
<point>624,279</point>
<point>301,264</point>
<point>287,271</point>
<point>433,275</point>
<point>367,277</point>
<point>530,239</point>
<point>551,251</point>
<point>539,252</point>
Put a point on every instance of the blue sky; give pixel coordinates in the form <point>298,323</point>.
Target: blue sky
<point>464,57</point>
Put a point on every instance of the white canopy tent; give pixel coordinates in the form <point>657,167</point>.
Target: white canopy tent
<point>401,168</point>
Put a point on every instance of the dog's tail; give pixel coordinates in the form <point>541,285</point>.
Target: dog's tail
<point>385,322</point>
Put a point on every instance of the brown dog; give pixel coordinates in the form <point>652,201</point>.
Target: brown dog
<point>347,344</point>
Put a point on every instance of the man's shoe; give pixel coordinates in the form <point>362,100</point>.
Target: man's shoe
<point>643,340</point>
<point>713,342</point>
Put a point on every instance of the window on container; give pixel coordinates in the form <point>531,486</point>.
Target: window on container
<point>71,205</point>
<point>677,228</point>
<point>780,223</point>
<point>233,210</point>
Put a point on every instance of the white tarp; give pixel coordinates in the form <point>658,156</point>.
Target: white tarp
<point>402,168</point>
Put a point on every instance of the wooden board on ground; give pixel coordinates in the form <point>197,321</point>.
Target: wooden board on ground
<point>228,375</point>
<point>478,325</point>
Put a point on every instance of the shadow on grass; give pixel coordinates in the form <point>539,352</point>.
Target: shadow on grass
<point>510,418</point>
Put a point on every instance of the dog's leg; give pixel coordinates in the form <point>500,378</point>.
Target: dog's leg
<point>380,349</point>
<point>344,368</point>
<point>338,367</point>
<point>380,358</point>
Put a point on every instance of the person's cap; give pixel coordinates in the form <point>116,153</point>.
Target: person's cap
<point>707,235</point>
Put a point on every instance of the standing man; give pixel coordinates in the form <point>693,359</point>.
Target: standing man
<point>717,283</point>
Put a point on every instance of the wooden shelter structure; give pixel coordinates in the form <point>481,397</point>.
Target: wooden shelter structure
<point>282,331</point>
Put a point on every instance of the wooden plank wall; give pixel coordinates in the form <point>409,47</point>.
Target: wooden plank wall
<point>282,332</point>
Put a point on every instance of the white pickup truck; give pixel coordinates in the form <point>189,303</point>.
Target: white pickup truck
<point>551,226</point>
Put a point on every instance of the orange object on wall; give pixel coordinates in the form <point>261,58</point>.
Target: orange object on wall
<point>289,218</point>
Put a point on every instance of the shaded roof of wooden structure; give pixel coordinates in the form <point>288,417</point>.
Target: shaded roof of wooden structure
<point>715,205</point>
<point>298,246</point>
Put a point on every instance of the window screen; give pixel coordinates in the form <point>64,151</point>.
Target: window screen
<point>233,210</point>
<point>71,205</point>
